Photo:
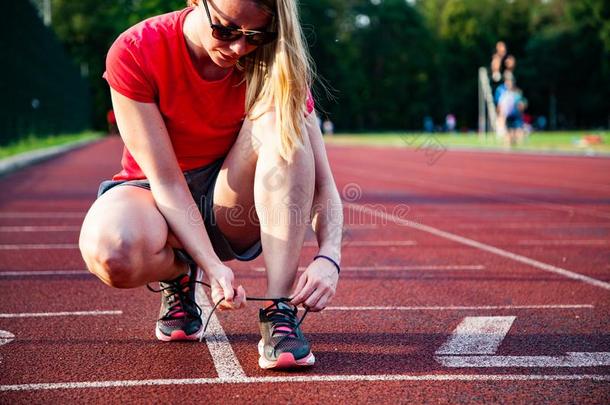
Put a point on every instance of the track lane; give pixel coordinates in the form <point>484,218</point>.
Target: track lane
<point>348,342</point>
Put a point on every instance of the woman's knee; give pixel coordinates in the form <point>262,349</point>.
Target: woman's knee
<point>113,257</point>
<point>269,141</point>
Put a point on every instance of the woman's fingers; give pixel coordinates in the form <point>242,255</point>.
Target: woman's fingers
<point>227,289</point>
<point>239,300</point>
<point>313,300</point>
<point>304,293</point>
<point>324,301</point>
<point>300,284</point>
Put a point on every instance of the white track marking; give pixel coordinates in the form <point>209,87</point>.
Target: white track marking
<point>534,225</point>
<point>478,335</point>
<point>44,273</point>
<point>482,246</point>
<point>478,191</point>
<point>571,359</point>
<point>483,335</point>
<point>39,228</point>
<point>40,246</point>
<point>305,379</point>
<point>358,243</point>
<point>6,337</point>
<point>361,226</point>
<point>42,214</point>
<point>565,242</point>
<point>397,268</point>
<point>223,356</point>
<point>459,308</point>
<point>47,314</point>
<point>51,273</point>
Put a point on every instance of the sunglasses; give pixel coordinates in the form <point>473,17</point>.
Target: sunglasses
<point>230,34</point>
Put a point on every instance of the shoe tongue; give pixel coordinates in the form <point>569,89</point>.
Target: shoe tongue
<point>283,330</point>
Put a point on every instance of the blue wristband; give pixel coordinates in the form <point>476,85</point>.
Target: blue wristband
<point>330,260</point>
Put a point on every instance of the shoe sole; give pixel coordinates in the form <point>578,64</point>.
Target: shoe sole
<point>284,361</point>
<point>177,335</point>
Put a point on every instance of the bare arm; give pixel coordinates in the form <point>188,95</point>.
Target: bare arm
<point>145,135</point>
<point>317,286</point>
<point>327,220</point>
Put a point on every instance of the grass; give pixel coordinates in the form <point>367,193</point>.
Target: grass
<point>537,141</point>
<point>33,142</point>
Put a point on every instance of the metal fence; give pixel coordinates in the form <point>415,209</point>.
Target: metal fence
<point>41,90</point>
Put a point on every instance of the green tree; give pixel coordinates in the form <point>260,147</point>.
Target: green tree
<point>87,28</point>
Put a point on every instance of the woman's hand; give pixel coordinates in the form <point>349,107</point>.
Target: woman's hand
<point>221,279</point>
<point>316,286</point>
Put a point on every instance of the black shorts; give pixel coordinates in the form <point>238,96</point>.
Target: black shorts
<point>201,183</point>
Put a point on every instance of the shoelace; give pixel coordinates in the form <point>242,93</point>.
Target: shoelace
<point>285,311</point>
<point>282,319</point>
<point>176,288</point>
<point>280,316</point>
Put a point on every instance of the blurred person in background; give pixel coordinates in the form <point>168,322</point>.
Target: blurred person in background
<point>511,106</point>
<point>498,62</point>
<point>328,127</point>
<point>113,129</point>
<point>450,123</point>
<point>510,63</point>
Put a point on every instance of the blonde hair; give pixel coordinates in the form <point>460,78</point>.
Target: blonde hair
<point>279,75</point>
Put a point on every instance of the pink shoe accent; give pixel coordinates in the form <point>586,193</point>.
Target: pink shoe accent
<point>176,335</point>
<point>285,360</point>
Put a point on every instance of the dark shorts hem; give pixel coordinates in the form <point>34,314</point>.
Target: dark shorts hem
<point>201,183</point>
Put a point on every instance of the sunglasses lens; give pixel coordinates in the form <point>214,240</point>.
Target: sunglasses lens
<point>261,38</point>
<point>225,34</point>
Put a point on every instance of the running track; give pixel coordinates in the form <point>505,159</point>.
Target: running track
<point>467,280</point>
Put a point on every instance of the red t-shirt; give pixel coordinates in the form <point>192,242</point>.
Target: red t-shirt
<point>150,63</point>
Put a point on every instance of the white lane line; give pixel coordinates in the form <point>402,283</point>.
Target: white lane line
<point>50,273</point>
<point>42,214</point>
<point>571,359</point>
<point>361,226</point>
<point>483,247</point>
<point>358,243</point>
<point>533,225</point>
<point>397,268</point>
<point>40,246</point>
<point>44,273</point>
<point>49,246</point>
<point>483,335</point>
<point>565,242</point>
<point>223,356</point>
<point>39,228</point>
<point>306,379</point>
<point>478,335</point>
<point>458,308</point>
<point>47,314</point>
<point>479,192</point>
<point>6,337</point>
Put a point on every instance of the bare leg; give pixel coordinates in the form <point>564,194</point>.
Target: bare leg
<point>124,240</point>
<point>254,175</point>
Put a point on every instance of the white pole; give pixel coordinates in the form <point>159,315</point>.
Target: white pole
<point>481,105</point>
<point>46,12</point>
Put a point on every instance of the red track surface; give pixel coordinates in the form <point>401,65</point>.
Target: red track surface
<point>552,211</point>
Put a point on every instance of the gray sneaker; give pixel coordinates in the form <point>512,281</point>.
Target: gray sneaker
<point>282,344</point>
<point>180,316</point>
